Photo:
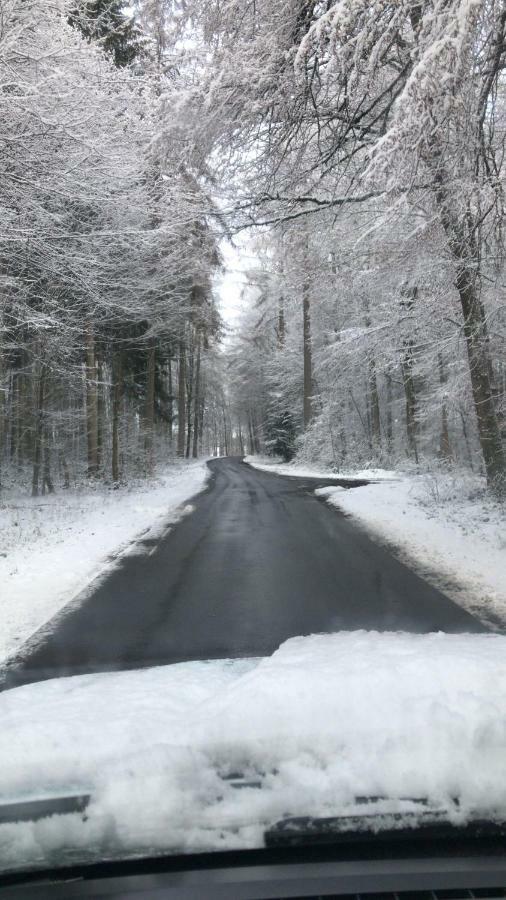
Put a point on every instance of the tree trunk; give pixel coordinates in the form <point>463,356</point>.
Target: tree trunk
<point>149,410</point>
<point>372,390</point>
<point>15,417</point>
<point>181,401</point>
<point>407,369</point>
<point>196,406</point>
<point>190,361</point>
<point>445,450</point>
<point>308,364</point>
<point>250,434</point>
<point>389,416</point>
<point>374,404</point>
<point>38,431</point>
<point>410,394</point>
<point>65,470</point>
<point>480,368</point>
<point>117,391</point>
<point>202,410</point>
<point>100,414</point>
<point>461,231</point>
<point>91,401</point>
<point>225,432</point>
<point>47,481</point>
<point>241,441</point>
<point>466,439</point>
<point>170,389</point>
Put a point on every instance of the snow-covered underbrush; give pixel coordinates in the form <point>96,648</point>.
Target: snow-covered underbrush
<point>324,721</point>
<point>51,547</point>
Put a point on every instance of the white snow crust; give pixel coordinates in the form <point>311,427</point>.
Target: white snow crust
<point>295,469</point>
<point>326,719</point>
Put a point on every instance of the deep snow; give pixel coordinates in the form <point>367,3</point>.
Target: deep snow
<point>443,525</point>
<point>52,547</point>
<point>326,719</point>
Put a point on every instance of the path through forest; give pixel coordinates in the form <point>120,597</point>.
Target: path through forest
<point>259,561</point>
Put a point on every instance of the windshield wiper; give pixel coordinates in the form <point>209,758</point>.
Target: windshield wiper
<point>380,828</point>
<point>34,809</point>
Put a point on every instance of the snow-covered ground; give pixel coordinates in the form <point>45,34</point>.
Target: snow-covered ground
<point>51,547</point>
<point>443,525</point>
<point>325,720</point>
<point>268,464</point>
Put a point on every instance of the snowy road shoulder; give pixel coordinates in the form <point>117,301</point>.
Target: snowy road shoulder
<point>444,526</point>
<point>52,547</point>
<point>434,524</point>
<point>296,470</point>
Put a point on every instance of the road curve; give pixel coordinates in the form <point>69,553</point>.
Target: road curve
<point>260,560</point>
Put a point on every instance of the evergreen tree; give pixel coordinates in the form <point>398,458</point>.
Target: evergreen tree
<point>280,432</point>
<point>105,21</point>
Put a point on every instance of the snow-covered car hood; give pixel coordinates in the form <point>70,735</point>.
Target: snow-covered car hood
<point>324,721</point>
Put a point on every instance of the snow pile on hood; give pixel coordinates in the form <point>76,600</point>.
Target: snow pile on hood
<point>326,719</point>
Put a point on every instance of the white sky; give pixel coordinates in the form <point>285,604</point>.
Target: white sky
<point>230,284</point>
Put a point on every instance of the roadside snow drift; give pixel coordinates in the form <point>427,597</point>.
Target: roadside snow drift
<point>297,470</point>
<point>52,547</point>
<point>326,719</point>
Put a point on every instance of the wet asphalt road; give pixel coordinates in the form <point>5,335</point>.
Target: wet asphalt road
<point>259,561</point>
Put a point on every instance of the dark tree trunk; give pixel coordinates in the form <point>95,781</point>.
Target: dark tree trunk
<point>389,415</point>
<point>91,401</point>
<point>190,367</point>
<point>117,396</point>
<point>480,368</point>
<point>171,402</point>
<point>196,402</point>
<point>181,401</point>
<point>445,450</point>
<point>308,363</point>
<point>65,470</point>
<point>411,403</point>
<point>149,410</point>
<point>462,233</point>
<point>47,481</point>
<point>38,432</point>
<point>100,415</point>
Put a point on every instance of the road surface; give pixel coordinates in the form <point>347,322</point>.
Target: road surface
<point>260,560</point>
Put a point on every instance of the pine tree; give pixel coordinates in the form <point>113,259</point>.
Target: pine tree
<point>105,21</point>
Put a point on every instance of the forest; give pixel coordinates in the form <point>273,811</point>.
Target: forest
<point>356,147</point>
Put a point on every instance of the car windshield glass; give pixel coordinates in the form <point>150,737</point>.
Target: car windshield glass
<point>252,425</point>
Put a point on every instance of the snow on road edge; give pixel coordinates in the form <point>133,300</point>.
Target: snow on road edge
<point>442,525</point>
<point>457,546</point>
<point>269,464</point>
<point>53,547</point>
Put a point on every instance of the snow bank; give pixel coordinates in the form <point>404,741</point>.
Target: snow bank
<point>447,529</point>
<point>51,547</point>
<point>325,720</point>
<point>269,464</point>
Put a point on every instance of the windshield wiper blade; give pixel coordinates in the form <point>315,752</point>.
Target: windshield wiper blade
<point>381,827</point>
<point>34,809</point>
